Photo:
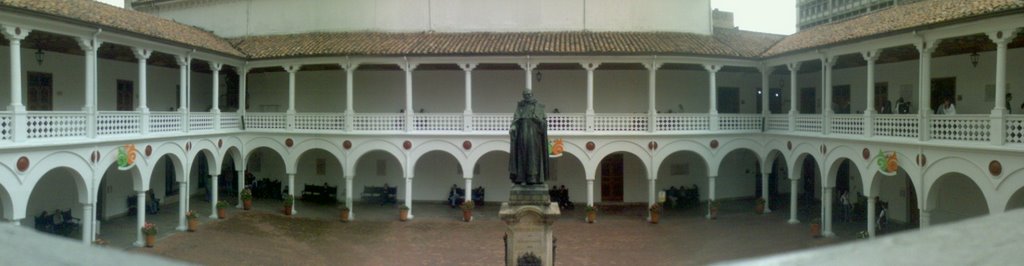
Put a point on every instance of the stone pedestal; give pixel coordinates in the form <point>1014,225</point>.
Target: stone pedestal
<point>529,214</point>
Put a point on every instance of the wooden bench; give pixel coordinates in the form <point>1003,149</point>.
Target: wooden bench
<point>384,194</point>
<point>323,194</point>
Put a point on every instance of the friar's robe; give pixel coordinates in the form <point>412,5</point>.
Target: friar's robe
<point>528,154</point>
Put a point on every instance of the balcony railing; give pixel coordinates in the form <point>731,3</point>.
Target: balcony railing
<point>961,128</point>
<point>1015,129</point>
<point>491,122</point>
<point>230,121</point>
<point>55,125</point>
<point>163,122</point>
<point>200,121</point>
<point>847,124</point>
<point>621,122</point>
<point>778,122</point>
<point>265,121</point>
<point>567,122</point>
<point>897,126</point>
<point>378,122</point>
<point>438,122</point>
<point>118,123</point>
<point>740,122</point>
<point>320,121</point>
<point>682,122</point>
<point>808,123</point>
<point>5,127</point>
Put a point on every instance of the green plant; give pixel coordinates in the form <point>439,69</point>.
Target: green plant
<point>289,200</point>
<point>467,205</point>
<point>403,207</point>
<point>656,208</point>
<point>715,204</point>
<point>591,209</point>
<point>222,205</point>
<point>246,194</point>
<point>149,229</point>
<point>344,206</point>
<point>816,221</point>
<point>191,215</point>
<point>760,201</point>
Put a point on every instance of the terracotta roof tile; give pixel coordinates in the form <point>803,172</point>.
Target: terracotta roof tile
<point>104,15</point>
<point>896,19</point>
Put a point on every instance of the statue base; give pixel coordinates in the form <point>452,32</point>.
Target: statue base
<point>529,214</point>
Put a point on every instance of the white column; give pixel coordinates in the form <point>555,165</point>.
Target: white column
<point>652,88</point>
<point>213,195</point>
<point>925,84</point>
<point>86,223</point>
<point>469,187</point>
<point>350,112</point>
<point>241,186</point>
<point>869,112</point>
<point>713,95</point>
<point>142,55</point>
<point>590,67</point>
<point>89,47</point>
<point>182,205</point>
<point>215,67</point>
<point>408,195</point>
<point>872,200</point>
<point>826,202</point>
<point>827,62</point>
<point>140,215</point>
<point>590,192</point>
<point>291,191</point>
<point>1001,38</point>
<point>290,116</point>
<point>711,194</point>
<point>651,194</point>
<point>14,36</point>
<point>764,189</point>
<point>528,68</point>
<point>408,68</point>
<point>467,114</point>
<point>187,190</point>
<point>184,65</point>
<point>16,222</point>
<point>348,197</point>
<point>925,219</point>
<point>792,200</point>
<point>794,68</point>
<point>243,74</point>
<point>766,72</point>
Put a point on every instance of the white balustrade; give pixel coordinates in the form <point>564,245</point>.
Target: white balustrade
<point>1015,129</point>
<point>230,121</point>
<point>378,122</point>
<point>46,124</point>
<point>492,122</point>
<point>567,122</point>
<point>620,122</point>
<point>961,127</point>
<point>5,127</point>
<point>682,122</point>
<point>265,120</point>
<point>437,122</point>
<point>740,122</point>
<point>808,123</point>
<point>162,122</point>
<point>897,126</point>
<point>200,121</point>
<point>847,124</point>
<point>118,123</point>
<point>320,121</point>
<point>778,122</point>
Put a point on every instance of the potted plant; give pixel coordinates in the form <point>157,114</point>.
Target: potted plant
<point>149,230</point>
<point>344,212</point>
<point>403,213</point>
<point>591,214</point>
<point>467,210</point>
<point>655,212</point>
<point>246,199</point>
<point>289,201</point>
<point>193,220</point>
<point>222,209</point>
<point>713,208</point>
<point>759,207</point>
<point>816,227</point>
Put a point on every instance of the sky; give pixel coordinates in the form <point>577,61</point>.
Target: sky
<point>773,16</point>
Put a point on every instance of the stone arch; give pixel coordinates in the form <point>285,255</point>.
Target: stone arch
<point>770,158</point>
<point>211,161</point>
<point>264,142</point>
<point>482,149</point>
<point>313,144</point>
<point>440,146</point>
<point>435,171</point>
<point>694,175</point>
<point>493,171</point>
<point>676,146</point>
<point>619,146</point>
<point>79,166</point>
<point>1012,189</point>
<point>375,145</point>
<point>871,171</point>
<point>634,189</point>
<point>942,167</point>
<point>213,154</point>
<point>797,169</point>
<point>235,154</point>
<point>963,192</point>
<point>11,201</point>
<point>175,152</point>
<point>748,179</point>
<point>731,145</point>
<point>835,158</point>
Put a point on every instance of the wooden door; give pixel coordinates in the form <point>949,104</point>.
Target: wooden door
<point>125,95</point>
<point>808,100</point>
<point>40,92</point>
<point>729,100</point>
<point>611,178</point>
<point>775,101</point>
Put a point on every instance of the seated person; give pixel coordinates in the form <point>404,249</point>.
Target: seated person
<point>453,195</point>
<point>152,204</point>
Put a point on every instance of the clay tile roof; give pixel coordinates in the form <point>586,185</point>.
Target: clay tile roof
<point>748,43</point>
<point>504,43</point>
<point>902,18</point>
<point>95,13</point>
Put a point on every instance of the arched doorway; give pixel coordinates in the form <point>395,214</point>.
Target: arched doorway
<point>623,179</point>
<point>738,182</point>
<point>55,204</point>
<point>1016,200</point>
<point>683,175</point>
<point>809,190</point>
<point>378,169</point>
<point>436,174</point>
<point>269,184</point>
<point>954,197</point>
<point>319,180</point>
<point>897,200</point>
<point>849,204</point>
<point>778,172</point>
<point>491,172</point>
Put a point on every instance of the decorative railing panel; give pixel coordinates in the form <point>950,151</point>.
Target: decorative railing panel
<point>621,122</point>
<point>492,122</point>
<point>437,122</point>
<point>265,120</point>
<point>961,127</point>
<point>740,122</point>
<point>230,121</point>
<point>808,123</point>
<point>320,121</point>
<point>378,122</point>
<point>118,123</point>
<point>682,122</point>
<point>848,124</point>
<point>897,126</point>
<point>200,121</point>
<point>567,122</point>
<point>1015,129</point>
<point>43,125</point>
<point>161,122</point>
<point>5,127</point>
<point>778,122</point>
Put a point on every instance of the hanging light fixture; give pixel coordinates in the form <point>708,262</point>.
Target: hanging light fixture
<point>538,76</point>
<point>39,53</point>
<point>974,58</point>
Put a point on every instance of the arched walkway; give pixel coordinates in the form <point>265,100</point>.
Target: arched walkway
<point>896,196</point>
<point>55,206</point>
<point>567,171</point>
<point>1016,201</point>
<point>622,177</point>
<point>953,197</point>
<point>268,170</point>
<point>378,168</point>
<point>491,172</point>
<point>683,171</point>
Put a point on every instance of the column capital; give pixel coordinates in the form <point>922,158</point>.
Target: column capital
<point>408,66</point>
<point>654,65</point>
<point>467,66</point>
<point>15,33</point>
<point>141,54</point>
<point>827,60</point>
<point>765,69</point>
<point>216,67</point>
<point>89,45</point>
<point>925,47</point>
<point>527,65</point>
<point>242,70</point>
<point>291,69</point>
<point>1002,37</point>
<point>590,66</point>
<point>349,66</point>
<point>871,55</point>
<point>183,60</point>
<point>793,67</point>
<point>712,68</point>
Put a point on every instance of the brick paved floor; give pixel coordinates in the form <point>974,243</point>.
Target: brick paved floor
<point>437,237</point>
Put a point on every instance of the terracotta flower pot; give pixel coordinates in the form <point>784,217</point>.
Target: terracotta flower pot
<point>150,240</point>
<point>714,213</point>
<point>344,215</point>
<point>815,230</point>
<point>288,210</point>
<point>403,215</point>
<point>247,204</point>
<point>193,224</point>
<point>467,215</point>
<point>759,209</point>
<point>591,216</point>
<point>222,213</point>
<point>655,216</point>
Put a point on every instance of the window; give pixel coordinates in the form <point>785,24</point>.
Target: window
<point>40,91</point>
<point>125,95</point>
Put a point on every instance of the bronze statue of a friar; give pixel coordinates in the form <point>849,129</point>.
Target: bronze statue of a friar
<point>528,154</point>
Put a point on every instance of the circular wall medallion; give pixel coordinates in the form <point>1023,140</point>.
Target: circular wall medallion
<point>347,144</point>
<point>591,145</point>
<point>714,144</point>
<point>994,167</point>
<point>467,145</point>
<point>22,163</point>
<point>289,142</point>
<point>149,150</point>
<point>789,145</point>
<point>866,153</point>
<point>653,145</point>
<point>922,160</point>
<point>95,156</point>
<point>824,149</point>
<point>407,144</point>
<point>220,143</point>
<point>188,146</point>
<point>17,31</point>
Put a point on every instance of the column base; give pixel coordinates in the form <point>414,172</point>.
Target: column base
<point>214,216</point>
<point>793,221</point>
<point>138,244</point>
<point>181,228</point>
<point>767,210</point>
<point>828,234</point>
